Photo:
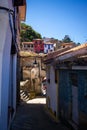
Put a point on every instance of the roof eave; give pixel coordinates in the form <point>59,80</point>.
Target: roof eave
<point>22,12</point>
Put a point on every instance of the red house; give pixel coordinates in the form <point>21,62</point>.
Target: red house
<point>38,45</point>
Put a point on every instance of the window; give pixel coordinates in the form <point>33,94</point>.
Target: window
<point>28,45</point>
<point>52,45</point>
<point>32,46</point>
<point>25,45</point>
<point>49,46</point>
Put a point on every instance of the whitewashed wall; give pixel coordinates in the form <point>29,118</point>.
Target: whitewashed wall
<point>5,66</point>
<point>52,90</point>
<point>5,78</point>
<point>48,49</point>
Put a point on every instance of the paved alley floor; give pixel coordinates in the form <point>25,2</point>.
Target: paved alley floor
<point>33,116</point>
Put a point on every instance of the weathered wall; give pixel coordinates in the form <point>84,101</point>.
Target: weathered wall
<point>52,90</point>
<point>82,79</point>
<point>5,45</point>
<point>5,66</point>
<point>64,94</point>
<point>33,73</point>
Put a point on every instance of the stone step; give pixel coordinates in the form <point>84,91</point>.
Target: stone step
<point>24,95</point>
<point>75,126</point>
<point>21,91</point>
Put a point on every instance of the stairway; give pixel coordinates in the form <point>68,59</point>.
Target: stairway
<point>24,95</point>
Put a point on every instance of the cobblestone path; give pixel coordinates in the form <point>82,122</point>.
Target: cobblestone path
<point>32,116</point>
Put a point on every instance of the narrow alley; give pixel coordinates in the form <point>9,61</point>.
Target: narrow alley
<point>32,115</point>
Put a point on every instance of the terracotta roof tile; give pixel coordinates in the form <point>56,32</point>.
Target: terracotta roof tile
<point>55,53</point>
<point>66,53</point>
<point>79,50</point>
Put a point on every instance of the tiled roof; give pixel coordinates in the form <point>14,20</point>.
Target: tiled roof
<point>66,53</point>
<point>55,53</point>
<point>48,43</point>
<point>79,50</point>
<point>68,43</point>
<point>38,40</point>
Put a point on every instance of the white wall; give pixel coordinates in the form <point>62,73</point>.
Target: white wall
<point>5,80</point>
<point>52,90</point>
<point>14,80</point>
<point>46,50</point>
<point>3,31</point>
<point>4,67</point>
<point>5,58</point>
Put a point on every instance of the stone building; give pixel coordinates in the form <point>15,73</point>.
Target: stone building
<point>27,46</point>
<point>67,84</point>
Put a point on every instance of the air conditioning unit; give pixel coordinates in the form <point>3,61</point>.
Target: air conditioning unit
<point>19,2</point>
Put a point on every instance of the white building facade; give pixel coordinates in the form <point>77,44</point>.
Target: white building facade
<point>9,37</point>
<point>48,47</point>
<point>27,46</point>
<point>52,90</point>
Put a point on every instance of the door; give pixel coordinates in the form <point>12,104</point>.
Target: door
<point>75,104</point>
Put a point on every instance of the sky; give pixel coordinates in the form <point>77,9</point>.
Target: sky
<point>57,18</point>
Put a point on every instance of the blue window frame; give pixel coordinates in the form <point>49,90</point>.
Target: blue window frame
<point>48,46</point>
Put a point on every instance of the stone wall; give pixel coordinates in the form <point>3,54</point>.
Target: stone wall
<point>33,73</point>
